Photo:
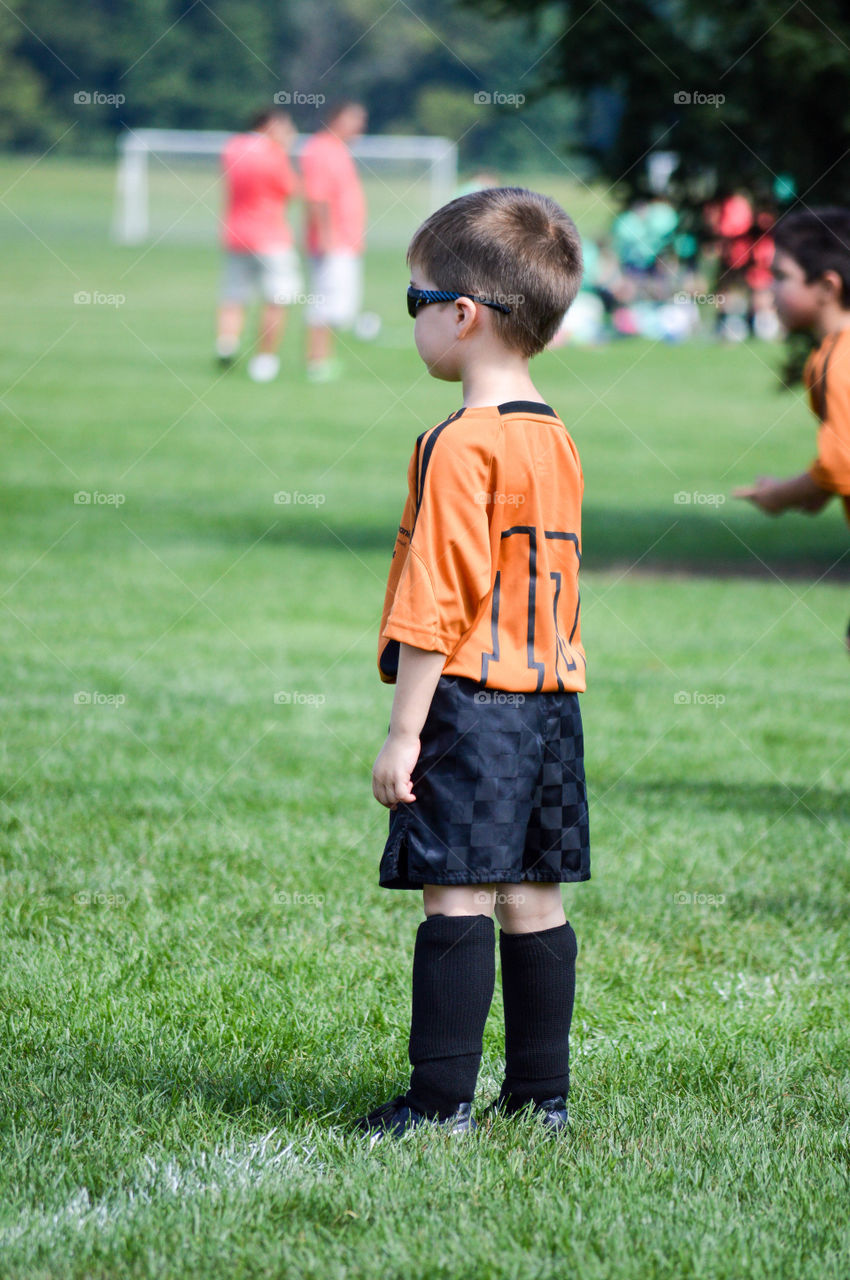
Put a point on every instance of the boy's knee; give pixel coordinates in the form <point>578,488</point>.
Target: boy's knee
<point>528,907</point>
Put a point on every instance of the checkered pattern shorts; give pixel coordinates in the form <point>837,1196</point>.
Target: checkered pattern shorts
<point>500,792</point>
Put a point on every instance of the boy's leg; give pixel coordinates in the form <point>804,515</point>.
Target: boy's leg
<point>528,907</point>
<point>537,946</point>
<point>454,975</point>
<point>458,899</point>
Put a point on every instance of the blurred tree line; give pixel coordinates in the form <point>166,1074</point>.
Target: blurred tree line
<point>749,94</point>
<point>211,64</point>
<point>746,95</point>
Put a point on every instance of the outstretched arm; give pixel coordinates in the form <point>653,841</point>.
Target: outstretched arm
<point>775,496</point>
<point>418,673</point>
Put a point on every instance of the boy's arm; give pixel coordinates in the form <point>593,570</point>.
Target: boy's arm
<point>418,673</point>
<point>775,496</point>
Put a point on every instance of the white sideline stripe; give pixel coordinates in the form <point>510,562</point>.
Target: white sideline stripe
<point>210,1172</point>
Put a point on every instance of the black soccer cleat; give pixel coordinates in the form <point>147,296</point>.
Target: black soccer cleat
<point>396,1118</point>
<point>553,1112</point>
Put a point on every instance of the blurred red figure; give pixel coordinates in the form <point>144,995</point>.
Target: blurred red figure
<point>744,250</point>
<point>258,242</point>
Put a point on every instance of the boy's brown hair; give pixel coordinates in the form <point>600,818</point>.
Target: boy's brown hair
<point>818,240</point>
<point>508,245</point>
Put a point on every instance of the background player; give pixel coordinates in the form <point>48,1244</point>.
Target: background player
<point>336,220</point>
<point>260,255</point>
<point>812,273</point>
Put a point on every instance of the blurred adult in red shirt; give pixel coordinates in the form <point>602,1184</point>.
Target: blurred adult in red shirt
<point>336,224</point>
<point>260,256</point>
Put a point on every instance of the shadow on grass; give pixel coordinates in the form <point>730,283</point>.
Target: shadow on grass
<point>772,800</point>
<point>729,541</point>
<point>678,540</point>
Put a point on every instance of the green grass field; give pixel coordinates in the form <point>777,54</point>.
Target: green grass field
<point>202,982</point>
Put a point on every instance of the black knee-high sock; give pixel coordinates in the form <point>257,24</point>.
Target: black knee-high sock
<point>454,975</point>
<point>538,989</point>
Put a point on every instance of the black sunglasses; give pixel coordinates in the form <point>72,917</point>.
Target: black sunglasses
<point>417,298</point>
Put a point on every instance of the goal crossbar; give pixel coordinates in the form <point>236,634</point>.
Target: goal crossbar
<point>135,147</point>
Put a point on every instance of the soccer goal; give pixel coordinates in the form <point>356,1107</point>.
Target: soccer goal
<point>169,185</point>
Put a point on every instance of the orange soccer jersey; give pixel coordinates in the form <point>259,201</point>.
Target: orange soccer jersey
<point>485,565</point>
<point>827,379</point>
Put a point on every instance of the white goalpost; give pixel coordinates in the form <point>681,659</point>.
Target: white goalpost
<point>167,182</point>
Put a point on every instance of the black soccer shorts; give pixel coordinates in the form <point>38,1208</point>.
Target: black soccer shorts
<point>500,792</point>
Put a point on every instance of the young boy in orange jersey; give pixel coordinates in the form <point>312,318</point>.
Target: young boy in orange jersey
<point>811,269</point>
<point>482,770</point>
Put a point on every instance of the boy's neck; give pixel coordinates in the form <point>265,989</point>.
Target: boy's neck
<point>498,380</point>
<point>831,321</point>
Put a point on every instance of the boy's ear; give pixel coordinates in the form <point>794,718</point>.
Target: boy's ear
<point>466,315</point>
<point>831,280</point>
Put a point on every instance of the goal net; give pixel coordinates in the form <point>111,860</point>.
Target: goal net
<point>169,184</point>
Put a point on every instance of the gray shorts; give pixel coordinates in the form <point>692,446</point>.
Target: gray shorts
<point>336,289</point>
<point>275,276</point>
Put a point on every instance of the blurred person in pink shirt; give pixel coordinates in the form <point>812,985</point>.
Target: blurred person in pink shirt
<point>336,223</point>
<point>260,256</point>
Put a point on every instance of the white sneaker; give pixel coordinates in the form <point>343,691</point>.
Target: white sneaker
<point>264,367</point>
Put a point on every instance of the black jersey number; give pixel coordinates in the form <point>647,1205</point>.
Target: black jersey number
<point>519,567</point>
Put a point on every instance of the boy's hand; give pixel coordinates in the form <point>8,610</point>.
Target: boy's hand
<point>392,769</point>
<point>797,493</point>
<point>765,494</point>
